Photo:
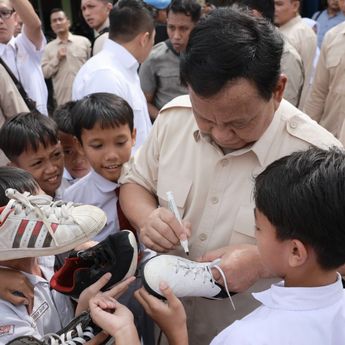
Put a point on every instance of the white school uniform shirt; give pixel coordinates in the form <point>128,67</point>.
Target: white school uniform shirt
<point>292,316</point>
<point>114,70</point>
<point>51,311</point>
<point>24,60</point>
<point>94,189</point>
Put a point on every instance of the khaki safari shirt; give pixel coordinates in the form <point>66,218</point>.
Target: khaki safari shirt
<point>213,191</point>
<point>326,102</point>
<point>64,71</point>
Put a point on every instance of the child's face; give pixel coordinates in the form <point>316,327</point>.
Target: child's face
<point>274,252</point>
<point>76,162</point>
<point>107,149</point>
<point>45,165</point>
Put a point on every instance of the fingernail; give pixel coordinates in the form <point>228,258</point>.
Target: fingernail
<point>163,285</point>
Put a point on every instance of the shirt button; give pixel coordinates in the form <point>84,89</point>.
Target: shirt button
<point>214,200</point>
<point>202,237</point>
<point>293,124</point>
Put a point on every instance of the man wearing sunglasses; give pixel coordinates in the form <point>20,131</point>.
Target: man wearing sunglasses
<point>22,54</point>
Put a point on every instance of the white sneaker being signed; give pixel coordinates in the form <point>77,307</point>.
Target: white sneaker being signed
<point>184,277</point>
<point>33,225</point>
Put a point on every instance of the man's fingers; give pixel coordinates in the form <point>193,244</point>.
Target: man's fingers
<point>97,286</point>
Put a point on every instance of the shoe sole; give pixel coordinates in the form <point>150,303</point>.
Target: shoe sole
<point>19,253</point>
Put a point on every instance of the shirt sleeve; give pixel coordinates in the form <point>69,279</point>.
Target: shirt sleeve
<point>148,79</point>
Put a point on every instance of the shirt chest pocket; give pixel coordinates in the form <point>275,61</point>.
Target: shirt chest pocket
<point>336,67</point>
<point>178,185</point>
<point>167,78</point>
<point>244,226</point>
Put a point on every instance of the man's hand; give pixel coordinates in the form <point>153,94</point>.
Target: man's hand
<point>241,265</point>
<point>62,52</point>
<point>162,231</point>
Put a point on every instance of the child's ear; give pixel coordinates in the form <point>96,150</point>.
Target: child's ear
<point>134,136</point>
<point>298,253</point>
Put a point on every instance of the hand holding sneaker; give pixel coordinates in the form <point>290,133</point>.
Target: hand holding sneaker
<point>170,316</point>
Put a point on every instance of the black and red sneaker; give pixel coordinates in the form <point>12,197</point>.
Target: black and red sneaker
<point>117,254</point>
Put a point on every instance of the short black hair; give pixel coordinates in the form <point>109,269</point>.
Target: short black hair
<point>57,9</point>
<point>265,7</point>
<point>19,179</point>
<point>190,8</point>
<point>303,196</point>
<point>129,18</point>
<point>104,108</point>
<point>230,44</point>
<point>27,130</point>
<point>63,118</point>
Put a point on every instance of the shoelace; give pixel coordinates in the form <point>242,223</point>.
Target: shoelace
<point>70,338</point>
<point>41,205</point>
<point>205,270</point>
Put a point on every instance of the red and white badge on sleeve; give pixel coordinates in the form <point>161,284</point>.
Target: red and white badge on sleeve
<point>6,330</point>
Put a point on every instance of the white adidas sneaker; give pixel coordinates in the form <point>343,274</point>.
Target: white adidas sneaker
<point>184,277</point>
<point>33,225</point>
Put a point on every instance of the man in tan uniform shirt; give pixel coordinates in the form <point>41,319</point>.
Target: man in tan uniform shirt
<point>11,103</point>
<point>300,35</point>
<point>326,101</point>
<point>206,147</point>
<point>64,56</point>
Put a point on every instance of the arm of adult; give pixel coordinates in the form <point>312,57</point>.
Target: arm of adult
<point>31,21</point>
<point>158,228</point>
<point>50,64</point>
<point>315,102</point>
<point>241,265</point>
<point>170,316</point>
<point>153,110</point>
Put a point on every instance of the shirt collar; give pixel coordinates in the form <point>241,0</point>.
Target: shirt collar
<point>301,298</point>
<point>104,25</point>
<point>11,43</point>
<point>292,22</point>
<point>69,38</point>
<point>102,183</point>
<point>122,55</point>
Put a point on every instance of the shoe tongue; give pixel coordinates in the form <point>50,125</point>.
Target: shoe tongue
<point>41,199</point>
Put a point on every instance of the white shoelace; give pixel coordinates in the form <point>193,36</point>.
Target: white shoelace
<point>205,271</point>
<point>68,338</point>
<point>42,206</point>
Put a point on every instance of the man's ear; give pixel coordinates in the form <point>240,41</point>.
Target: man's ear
<point>296,6</point>
<point>298,254</point>
<point>144,38</point>
<point>134,136</point>
<point>109,6</point>
<point>279,91</point>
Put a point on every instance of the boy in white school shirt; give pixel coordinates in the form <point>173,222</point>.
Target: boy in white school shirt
<point>300,220</point>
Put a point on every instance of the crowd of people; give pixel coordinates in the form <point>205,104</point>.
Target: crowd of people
<point>237,111</point>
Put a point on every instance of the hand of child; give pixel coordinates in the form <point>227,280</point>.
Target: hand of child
<point>170,315</point>
<point>95,288</point>
<point>114,318</point>
<point>16,288</point>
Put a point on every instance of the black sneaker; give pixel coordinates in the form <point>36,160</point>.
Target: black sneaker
<point>117,254</point>
<point>77,332</point>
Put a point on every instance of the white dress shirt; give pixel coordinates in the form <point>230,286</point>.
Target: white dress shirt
<point>94,189</point>
<point>292,315</point>
<point>24,60</point>
<point>114,70</point>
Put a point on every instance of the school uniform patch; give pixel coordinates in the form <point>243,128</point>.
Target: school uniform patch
<point>6,330</point>
<point>40,311</point>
